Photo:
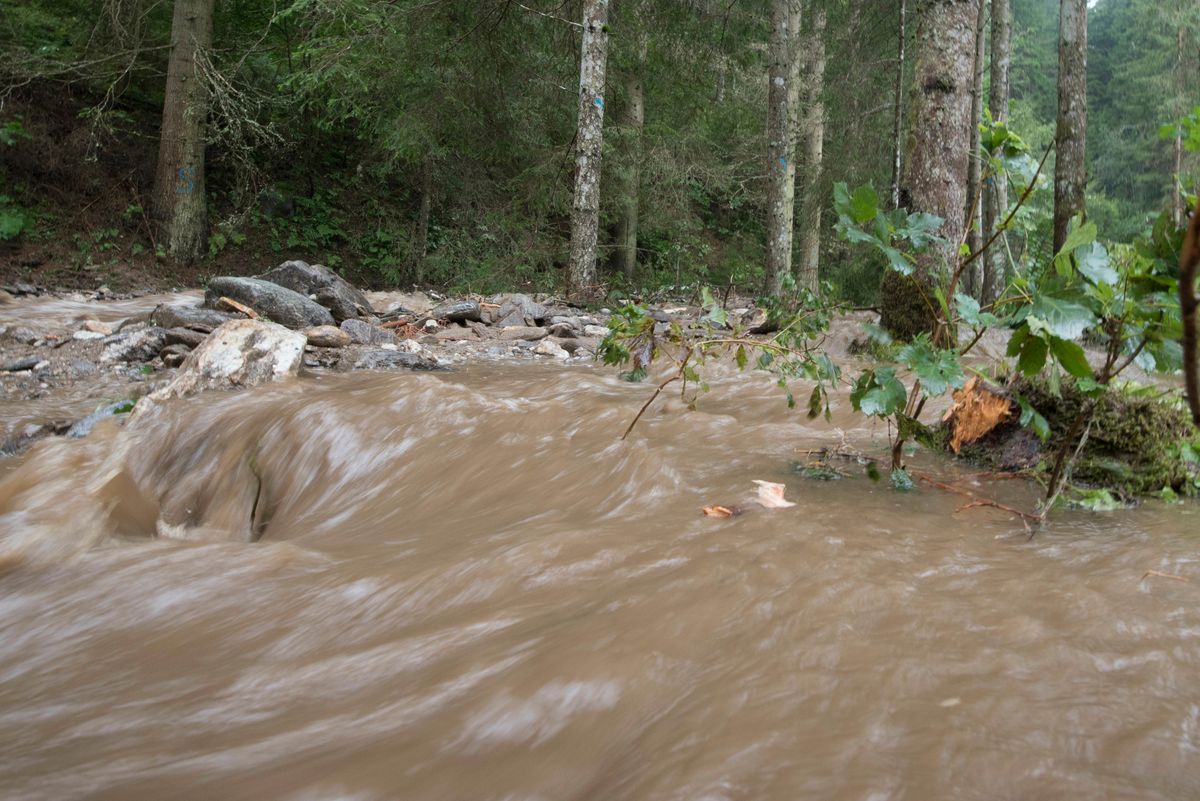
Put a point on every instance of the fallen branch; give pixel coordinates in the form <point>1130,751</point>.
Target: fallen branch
<point>1157,574</point>
<point>238,307</point>
<point>976,500</point>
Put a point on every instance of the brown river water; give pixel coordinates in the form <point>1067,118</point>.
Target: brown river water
<point>463,585</point>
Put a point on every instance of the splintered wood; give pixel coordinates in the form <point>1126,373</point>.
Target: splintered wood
<point>976,411</point>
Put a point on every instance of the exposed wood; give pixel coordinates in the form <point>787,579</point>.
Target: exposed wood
<point>1189,261</point>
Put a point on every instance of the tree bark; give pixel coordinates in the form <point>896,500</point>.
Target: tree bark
<point>814,152</point>
<point>996,195</point>
<point>179,201</point>
<point>974,208</point>
<point>585,210</point>
<point>936,165</point>
<point>1070,169</point>
<point>898,111</point>
<point>1177,204</point>
<point>780,151</point>
<point>421,235</point>
<point>631,176</point>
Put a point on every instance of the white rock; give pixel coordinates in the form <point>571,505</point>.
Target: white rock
<point>595,331</point>
<point>239,353</point>
<point>85,335</point>
<point>548,348</point>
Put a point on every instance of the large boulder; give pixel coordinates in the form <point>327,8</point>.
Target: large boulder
<point>518,309</point>
<point>278,303</point>
<point>332,291</point>
<point>240,353</point>
<point>140,345</point>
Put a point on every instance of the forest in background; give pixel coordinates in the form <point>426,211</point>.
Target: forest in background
<point>433,142</point>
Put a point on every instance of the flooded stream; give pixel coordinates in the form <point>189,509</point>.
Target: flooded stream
<point>463,585</point>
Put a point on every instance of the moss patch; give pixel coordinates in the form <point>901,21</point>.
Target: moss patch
<point>1138,444</point>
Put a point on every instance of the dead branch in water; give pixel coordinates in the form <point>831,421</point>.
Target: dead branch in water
<point>977,500</point>
<point>238,307</point>
<point>1157,574</point>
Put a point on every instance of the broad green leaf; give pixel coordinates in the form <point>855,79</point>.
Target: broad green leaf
<point>1032,356</point>
<point>1061,317</point>
<point>969,312</point>
<point>864,204</point>
<point>1032,419</point>
<point>1070,356</point>
<point>1093,261</point>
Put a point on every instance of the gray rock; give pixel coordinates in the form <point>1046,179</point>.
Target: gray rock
<point>564,330</point>
<point>332,291</point>
<point>458,311</point>
<point>193,317</point>
<point>83,336</point>
<point>514,319</point>
<point>240,353</point>
<point>82,368</point>
<point>278,303</point>
<point>569,345</point>
<point>595,331</point>
<point>363,333</point>
<point>527,333</point>
<point>134,346</point>
<point>530,311</point>
<point>482,330</point>
<point>455,333</point>
<point>174,355</point>
<point>327,336</point>
<point>26,336</point>
<point>18,365</point>
<point>184,336</point>
<point>85,426</point>
<point>379,359</point>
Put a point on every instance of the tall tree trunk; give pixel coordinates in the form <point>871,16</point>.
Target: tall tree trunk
<point>585,210</point>
<point>996,195</point>
<point>1070,169</point>
<point>780,154</point>
<point>936,165</point>
<point>421,235</point>
<point>974,209</point>
<point>898,111</point>
<point>179,201</point>
<point>631,176</point>
<point>1178,211</point>
<point>814,151</point>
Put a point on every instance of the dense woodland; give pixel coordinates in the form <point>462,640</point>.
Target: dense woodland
<point>440,142</point>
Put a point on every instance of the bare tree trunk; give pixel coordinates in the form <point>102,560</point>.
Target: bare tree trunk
<point>631,176</point>
<point>1070,169</point>
<point>974,209</point>
<point>898,113</point>
<point>585,211</point>
<point>814,153</point>
<point>178,199</point>
<point>780,154</point>
<point>935,169</point>
<point>1177,205</point>
<point>996,195</point>
<point>421,235</point>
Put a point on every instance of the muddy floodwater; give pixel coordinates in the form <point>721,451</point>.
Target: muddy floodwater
<point>464,586</point>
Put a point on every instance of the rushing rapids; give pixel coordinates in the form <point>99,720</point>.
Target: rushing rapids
<point>463,585</point>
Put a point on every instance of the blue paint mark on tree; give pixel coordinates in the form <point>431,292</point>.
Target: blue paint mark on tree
<point>599,101</point>
<point>187,181</point>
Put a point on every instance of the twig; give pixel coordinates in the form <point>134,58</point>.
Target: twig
<point>1158,574</point>
<point>646,405</point>
<point>1026,517</point>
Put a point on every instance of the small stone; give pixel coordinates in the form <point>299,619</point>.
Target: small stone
<point>431,325</point>
<point>548,347</point>
<point>454,333</point>
<point>135,346</point>
<point>173,355</point>
<point>521,332</point>
<point>327,336</point>
<point>595,331</point>
<point>411,346</point>
<point>85,335</point>
<point>20,365</point>
<point>25,336</point>
<point>97,327</point>
<point>185,336</point>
